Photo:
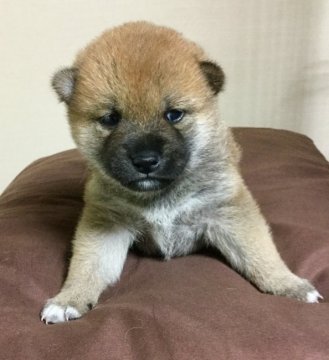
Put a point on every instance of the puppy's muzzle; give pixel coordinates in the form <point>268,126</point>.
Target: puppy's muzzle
<point>146,162</point>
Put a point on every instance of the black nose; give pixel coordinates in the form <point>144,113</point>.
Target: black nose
<point>146,161</point>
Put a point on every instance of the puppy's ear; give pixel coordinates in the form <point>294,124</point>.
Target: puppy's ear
<point>63,83</point>
<point>214,75</point>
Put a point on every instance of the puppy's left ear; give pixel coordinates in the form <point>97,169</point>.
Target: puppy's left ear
<point>214,75</point>
<point>63,83</point>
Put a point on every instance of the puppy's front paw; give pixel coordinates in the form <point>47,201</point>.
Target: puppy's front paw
<point>53,313</point>
<point>303,290</point>
<point>313,296</point>
<point>62,308</point>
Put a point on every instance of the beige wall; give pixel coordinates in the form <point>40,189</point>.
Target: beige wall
<point>274,53</point>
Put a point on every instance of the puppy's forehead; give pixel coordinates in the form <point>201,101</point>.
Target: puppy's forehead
<point>137,67</point>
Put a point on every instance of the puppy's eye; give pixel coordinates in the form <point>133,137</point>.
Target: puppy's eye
<point>110,120</point>
<point>173,116</point>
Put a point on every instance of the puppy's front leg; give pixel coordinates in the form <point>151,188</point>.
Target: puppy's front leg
<point>98,257</point>
<point>240,232</point>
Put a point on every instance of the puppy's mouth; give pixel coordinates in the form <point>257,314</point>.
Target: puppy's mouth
<point>149,183</point>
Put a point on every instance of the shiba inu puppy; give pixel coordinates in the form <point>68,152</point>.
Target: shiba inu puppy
<point>142,109</point>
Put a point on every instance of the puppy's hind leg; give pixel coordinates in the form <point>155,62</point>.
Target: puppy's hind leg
<point>240,232</point>
<point>98,258</point>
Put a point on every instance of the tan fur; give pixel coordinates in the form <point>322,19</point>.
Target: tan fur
<point>142,70</point>
<point>101,64</point>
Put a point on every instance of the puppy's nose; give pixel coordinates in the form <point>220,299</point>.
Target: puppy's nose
<point>146,161</point>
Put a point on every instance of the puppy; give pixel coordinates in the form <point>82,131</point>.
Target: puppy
<point>142,109</point>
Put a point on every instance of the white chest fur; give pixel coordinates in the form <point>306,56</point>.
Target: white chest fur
<point>170,229</point>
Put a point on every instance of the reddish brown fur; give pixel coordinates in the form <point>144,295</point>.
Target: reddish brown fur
<point>139,77</point>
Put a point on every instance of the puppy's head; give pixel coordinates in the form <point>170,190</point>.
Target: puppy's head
<point>137,98</point>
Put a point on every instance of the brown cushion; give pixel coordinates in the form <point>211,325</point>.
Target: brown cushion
<point>195,307</point>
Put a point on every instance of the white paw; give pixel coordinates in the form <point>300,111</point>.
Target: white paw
<point>313,297</point>
<point>53,313</point>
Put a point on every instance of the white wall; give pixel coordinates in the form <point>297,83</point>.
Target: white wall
<point>275,54</point>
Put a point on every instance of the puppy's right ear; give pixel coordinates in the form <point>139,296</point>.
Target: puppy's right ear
<point>63,83</point>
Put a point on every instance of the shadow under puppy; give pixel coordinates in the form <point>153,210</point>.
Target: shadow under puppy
<point>142,108</point>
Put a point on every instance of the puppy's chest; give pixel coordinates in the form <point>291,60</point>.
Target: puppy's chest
<point>170,232</point>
